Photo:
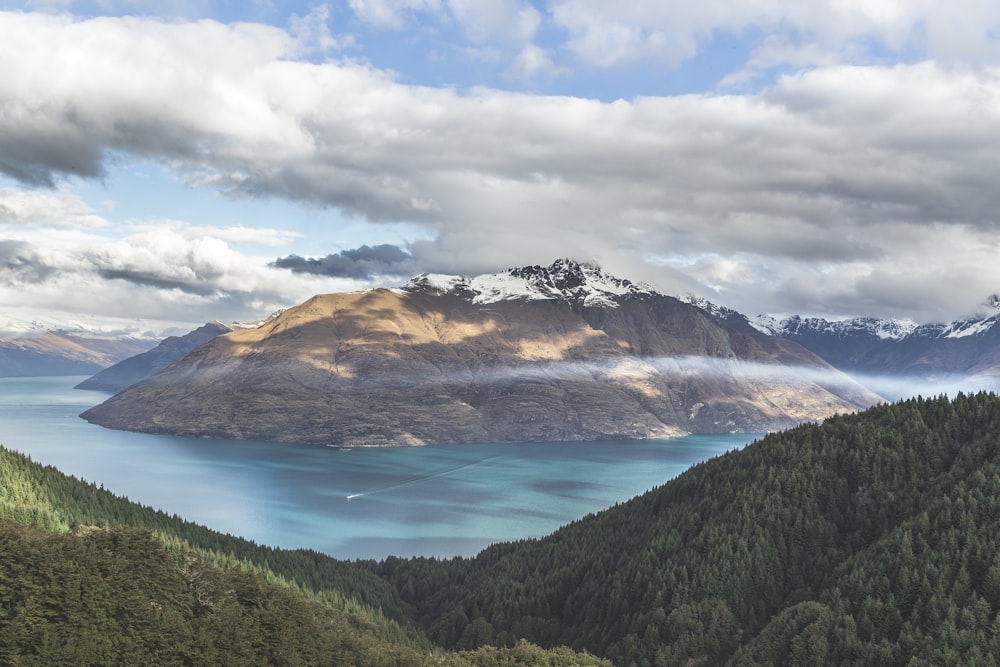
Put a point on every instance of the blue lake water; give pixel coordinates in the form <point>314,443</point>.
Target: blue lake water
<point>439,500</point>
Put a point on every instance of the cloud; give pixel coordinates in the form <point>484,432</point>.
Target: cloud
<point>156,274</point>
<point>364,263</point>
<point>847,178</point>
<point>18,260</point>
<point>824,32</point>
<point>312,31</point>
<point>391,13</point>
<point>496,21</point>
<point>533,62</point>
<point>238,234</point>
<point>54,208</point>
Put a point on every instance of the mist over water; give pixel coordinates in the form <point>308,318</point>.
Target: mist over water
<point>439,500</point>
<point>894,387</point>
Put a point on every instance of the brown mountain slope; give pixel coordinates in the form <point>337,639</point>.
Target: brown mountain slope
<point>390,367</point>
<point>59,353</point>
<point>131,370</point>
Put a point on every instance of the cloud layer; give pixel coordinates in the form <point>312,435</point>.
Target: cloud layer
<point>841,189</point>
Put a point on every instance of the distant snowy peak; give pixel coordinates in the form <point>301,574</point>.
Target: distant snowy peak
<point>984,320</point>
<point>255,324</point>
<point>17,328</point>
<point>870,327</point>
<point>884,329</point>
<point>564,279</point>
<point>720,312</point>
<point>971,327</point>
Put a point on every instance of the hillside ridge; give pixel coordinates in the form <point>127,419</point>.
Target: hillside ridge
<point>430,364</point>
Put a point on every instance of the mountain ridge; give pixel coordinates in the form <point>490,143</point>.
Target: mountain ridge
<point>129,371</point>
<point>579,356</point>
<point>895,357</point>
<point>62,353</point>
<point>579,283</point>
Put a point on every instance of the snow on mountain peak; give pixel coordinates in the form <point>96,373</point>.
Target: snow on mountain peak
<point>720,312</point>
<point>885,329</point>
<point>564,279</point>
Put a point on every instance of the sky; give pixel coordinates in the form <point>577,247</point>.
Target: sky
<point>167,163</point>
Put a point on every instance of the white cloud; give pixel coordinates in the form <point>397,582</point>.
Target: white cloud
<point>533,62</point>
<point>391,13</point>
<point>868,169</point>
<point>55,209</point>
<point>275,238</point>
<point>491,25</point>
<point>168,272</point>
<point>610,34</point>
<point>312,31</point>
<point>496,21</point>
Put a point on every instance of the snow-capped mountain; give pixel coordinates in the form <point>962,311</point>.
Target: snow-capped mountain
<point>881,329</point>
<point>563,352</point>
<point>255,324</point>
<point>963,354</point>
<point>567,280</point>
<point>11,327</point>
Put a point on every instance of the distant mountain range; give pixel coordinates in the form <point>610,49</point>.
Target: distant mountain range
<point>563,352</point>
<point>895,358</point>
<point>61,353</point>
<point>136,368</point>
<point>532,353</point>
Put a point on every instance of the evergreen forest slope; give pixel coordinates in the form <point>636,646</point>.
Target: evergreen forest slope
<point>87,578</point>
<point>869,539</point>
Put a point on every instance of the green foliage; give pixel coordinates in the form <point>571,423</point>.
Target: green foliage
<point>118,597</point>
<point>87,578</point>
<point>869,539</point>
<point>42,496</point>
<point>799,636</point>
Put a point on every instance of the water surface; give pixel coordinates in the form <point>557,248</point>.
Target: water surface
<point>439,500</point>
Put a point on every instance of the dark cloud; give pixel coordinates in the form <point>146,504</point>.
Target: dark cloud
<point>20,263</point>
<point>37,156</point>
<point>149,279</point>
<point>364,263</point>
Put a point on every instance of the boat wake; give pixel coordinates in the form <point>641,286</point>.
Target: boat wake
<point>421,478</point>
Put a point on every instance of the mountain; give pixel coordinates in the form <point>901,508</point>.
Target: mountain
<point>962,354</point>
<point>131,370</point>
<point>62,353</point>
<point>869,539</point>
<point>564,352</point>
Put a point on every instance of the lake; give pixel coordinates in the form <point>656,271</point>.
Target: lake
<point>437,500</point>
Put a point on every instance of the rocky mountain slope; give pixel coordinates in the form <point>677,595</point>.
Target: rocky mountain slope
<point>564,352</point>
<point>131,370</point>
<point>62,353</point>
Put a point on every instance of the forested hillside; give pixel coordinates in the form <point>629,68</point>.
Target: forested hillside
<point>90,579</point>
<point>869,539</point>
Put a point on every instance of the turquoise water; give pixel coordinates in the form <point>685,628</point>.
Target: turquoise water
<point>440,500</point>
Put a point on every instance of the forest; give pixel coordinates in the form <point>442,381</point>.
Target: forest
<point>88,578</point>
<point>871,538</point>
